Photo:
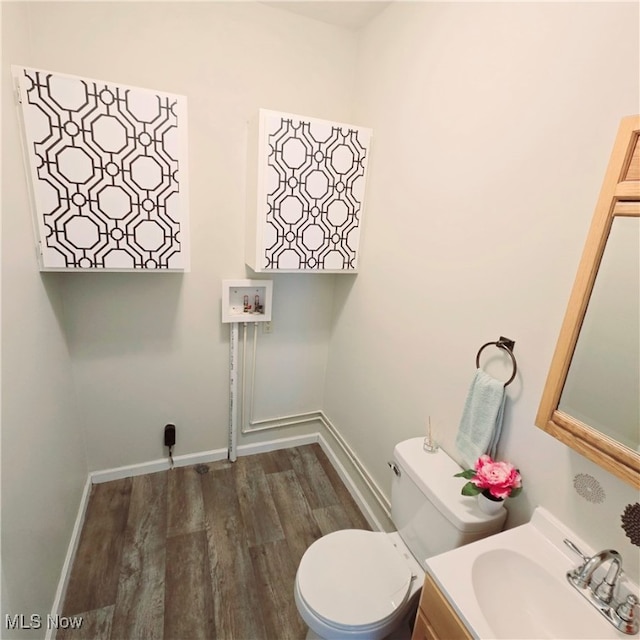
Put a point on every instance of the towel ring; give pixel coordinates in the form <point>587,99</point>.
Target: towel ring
<point>506,345</point>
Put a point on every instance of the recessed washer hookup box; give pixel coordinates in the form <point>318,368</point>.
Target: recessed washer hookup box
<point>246,300</point>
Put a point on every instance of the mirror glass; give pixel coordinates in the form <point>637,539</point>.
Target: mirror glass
<point>602,388</point>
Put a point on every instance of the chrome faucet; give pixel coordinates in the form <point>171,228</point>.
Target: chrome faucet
<point>624,615</point>
<point>582,577</point>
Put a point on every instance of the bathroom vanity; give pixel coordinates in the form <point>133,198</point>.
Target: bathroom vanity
<point>516,585</point>
<point>436,619</point>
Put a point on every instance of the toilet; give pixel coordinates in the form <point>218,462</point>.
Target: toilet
<point>365,585</point>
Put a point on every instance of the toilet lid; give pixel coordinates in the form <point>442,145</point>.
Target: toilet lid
<point>353,578</point>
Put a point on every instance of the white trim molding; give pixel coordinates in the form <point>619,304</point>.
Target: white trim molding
<point>61,591</point>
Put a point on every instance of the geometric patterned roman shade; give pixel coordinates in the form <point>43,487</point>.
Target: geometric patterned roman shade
<point>310,184</point>
<point>107,169</point>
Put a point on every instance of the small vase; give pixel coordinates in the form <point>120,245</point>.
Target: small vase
<point>487,505</point>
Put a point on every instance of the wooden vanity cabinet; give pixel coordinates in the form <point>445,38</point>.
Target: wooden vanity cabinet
<point>436,619</point>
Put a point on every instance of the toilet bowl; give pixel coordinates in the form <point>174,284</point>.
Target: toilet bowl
<point>357,584</point>
<point>364,585</point>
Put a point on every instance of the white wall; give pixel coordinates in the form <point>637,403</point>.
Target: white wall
<point>149,349</point>
<point>44,465</point>
<point>111,358</point>
<point>493,128</point>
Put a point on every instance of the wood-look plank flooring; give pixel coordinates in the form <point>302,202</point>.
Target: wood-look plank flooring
<point>204,552</point>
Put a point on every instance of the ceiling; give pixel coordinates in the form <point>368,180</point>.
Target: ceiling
<point>352,14</point>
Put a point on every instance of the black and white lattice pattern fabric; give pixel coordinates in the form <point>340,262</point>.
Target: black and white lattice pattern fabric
<point>108,172</point>
<point>315,183</point>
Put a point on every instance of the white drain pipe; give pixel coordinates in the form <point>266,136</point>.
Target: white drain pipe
<point>233,393</point>
<point>268,424</point>
<point>250,425</point>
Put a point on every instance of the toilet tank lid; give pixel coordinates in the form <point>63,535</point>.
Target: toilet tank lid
<point>433,474</point>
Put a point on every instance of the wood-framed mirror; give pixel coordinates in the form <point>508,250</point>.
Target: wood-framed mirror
<point>590,355</point>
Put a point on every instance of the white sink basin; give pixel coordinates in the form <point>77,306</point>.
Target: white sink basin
<point>513,585</point>
<point>537,605</point>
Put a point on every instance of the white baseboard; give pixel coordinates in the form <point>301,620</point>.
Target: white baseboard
<point>278,443</point>
<point>153,466</point>
<point>374,490</point>
<point>61,591</point>
<point>214,455</point>
<point>347,478</point>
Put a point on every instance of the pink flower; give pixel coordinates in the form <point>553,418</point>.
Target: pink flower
<point>499,478</point>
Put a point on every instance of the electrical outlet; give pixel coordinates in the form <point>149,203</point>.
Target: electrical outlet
<point>267,327</point>
<point>170,435</point>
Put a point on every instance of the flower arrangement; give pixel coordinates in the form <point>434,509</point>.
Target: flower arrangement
<point>496,480</point>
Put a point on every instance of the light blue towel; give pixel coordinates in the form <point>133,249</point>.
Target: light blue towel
<point>481,422</point>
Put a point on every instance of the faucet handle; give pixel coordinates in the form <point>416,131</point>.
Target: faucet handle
<point>575,549</point>
<point>626,615</point>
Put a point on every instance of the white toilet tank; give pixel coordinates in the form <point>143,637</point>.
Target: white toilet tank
<point>430,513</point>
